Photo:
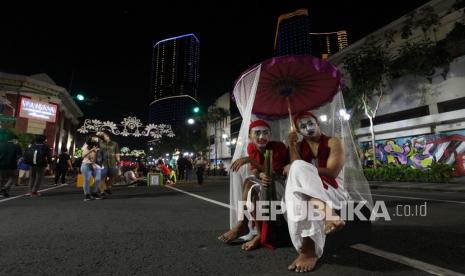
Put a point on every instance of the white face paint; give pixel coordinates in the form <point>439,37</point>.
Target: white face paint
<point>308,126</point>
<point>260,136</point>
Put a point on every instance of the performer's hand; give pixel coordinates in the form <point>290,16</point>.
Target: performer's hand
<point>266,180</point>
<point>236,165</point>
<point>286,169</point>
<point>293,138</point>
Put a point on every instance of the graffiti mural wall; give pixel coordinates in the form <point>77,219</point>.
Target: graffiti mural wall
<point>421,151</point>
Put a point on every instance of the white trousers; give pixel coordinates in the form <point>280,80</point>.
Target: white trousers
<point>304,183</point>
<point>257,190</point>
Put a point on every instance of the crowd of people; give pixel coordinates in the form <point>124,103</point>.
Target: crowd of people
<point>98,166</point>
<point>32,163</point>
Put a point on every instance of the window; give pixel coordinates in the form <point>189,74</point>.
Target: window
<point>397,116</point>
<point>451,105</point>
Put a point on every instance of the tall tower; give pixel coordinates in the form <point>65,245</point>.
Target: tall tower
<point>327,44</point>
<point>175,67</point>
<point>175,77</point>
<point>292,34</point>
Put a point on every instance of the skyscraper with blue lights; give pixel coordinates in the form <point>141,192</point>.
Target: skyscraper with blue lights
<point>175,67</point>
<point>292,34</point>
<point>175,78</point>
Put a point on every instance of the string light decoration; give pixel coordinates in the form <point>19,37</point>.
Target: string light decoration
<point>130,126</point>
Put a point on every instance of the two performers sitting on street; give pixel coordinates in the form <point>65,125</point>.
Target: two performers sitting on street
<point>313,169</point>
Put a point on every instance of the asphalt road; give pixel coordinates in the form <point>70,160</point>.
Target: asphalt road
<point>160,231</point>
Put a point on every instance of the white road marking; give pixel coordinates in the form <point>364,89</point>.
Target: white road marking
<point>200,197</point>
<point>420,198</point>
<point>44,190</point>
<point>429,268</point>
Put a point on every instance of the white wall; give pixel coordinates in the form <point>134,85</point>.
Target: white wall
<point>413,91</point>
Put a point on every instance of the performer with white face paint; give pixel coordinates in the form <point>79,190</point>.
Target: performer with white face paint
<point>315,176</point>
<point>254,186</point>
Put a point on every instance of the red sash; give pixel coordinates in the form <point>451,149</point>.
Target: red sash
<point>322,155</point>
<point>280,156</point>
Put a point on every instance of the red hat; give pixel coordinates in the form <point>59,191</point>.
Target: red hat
<point>257,123</point>
<point>304,114</point>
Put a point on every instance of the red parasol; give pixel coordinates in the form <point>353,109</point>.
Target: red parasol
<point>302,82</point>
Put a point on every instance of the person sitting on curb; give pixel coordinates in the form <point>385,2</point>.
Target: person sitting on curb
<point>131,178</point>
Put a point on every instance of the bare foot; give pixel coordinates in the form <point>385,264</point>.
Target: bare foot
<point>334,225</point>
<point>239,230</point>
<point>306,261</point>
<point>252,244</point>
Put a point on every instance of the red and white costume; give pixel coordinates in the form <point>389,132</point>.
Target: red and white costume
<point>279,160</point>
<point>304,183</point>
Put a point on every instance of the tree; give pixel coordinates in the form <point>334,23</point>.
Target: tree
<point>24,139</point>
<point>368,67</point>
<point>421,57</point>
<point>215,115</point>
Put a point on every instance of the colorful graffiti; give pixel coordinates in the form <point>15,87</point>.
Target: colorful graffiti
<point>420,151</point>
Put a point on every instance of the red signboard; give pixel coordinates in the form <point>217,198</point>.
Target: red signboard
<point>38,110</point>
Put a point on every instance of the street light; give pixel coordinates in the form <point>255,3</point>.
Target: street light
<point>80,97</point>
<point>344,115</point>
<point>190,121</point>
<point>151,148</point>
<point>196,109</point>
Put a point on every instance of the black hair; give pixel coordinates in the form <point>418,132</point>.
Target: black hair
<point>40,139</point>
<point>63,150</point>
<point>106,132</point>
<point>90,143</point>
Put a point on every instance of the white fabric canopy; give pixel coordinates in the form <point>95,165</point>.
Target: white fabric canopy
<point>335,125</point>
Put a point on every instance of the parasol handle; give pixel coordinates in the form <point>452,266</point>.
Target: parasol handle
<point>290,114</point>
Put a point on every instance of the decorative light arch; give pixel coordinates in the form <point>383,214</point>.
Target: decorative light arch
<point>130,126</point>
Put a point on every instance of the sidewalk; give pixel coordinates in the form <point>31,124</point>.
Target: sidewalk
<point>441,187</point>
<point>457,186</point>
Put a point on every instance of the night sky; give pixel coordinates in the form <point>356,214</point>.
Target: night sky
<point>109,48</point>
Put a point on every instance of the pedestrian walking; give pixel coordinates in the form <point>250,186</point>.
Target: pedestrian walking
<point>24,171</point>
<point>63,166</point>
<point>10,152</point>
<point>38,156</point>
<point>109,157</point>
<point>200,164</point>
<point>90,168</point>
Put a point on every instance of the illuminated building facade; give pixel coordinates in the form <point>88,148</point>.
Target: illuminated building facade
<point>291,36</point>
